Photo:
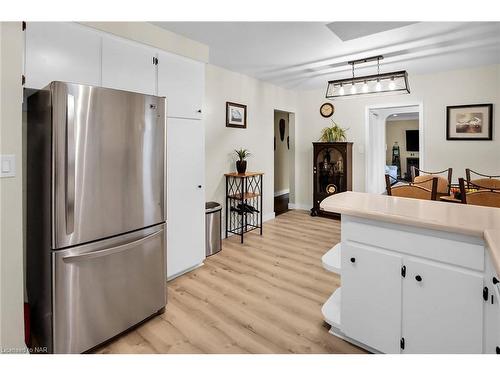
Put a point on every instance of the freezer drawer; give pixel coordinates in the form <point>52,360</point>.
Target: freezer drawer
<point>101,289</point>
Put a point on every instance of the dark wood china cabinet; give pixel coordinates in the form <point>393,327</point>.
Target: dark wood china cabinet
<point>332,172</point>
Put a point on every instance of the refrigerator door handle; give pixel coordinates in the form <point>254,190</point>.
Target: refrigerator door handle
<point>109,251</point>
<point>70,164</point>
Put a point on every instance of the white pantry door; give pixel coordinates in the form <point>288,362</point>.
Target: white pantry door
<point>185,195</point>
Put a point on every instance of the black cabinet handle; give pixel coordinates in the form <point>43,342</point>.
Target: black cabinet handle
<point>495,281</point>
<point>498,349</point>
<point>199,186</point>
<point>485,293</point>
<point>199,111</point>
<point>353,260</point>
<point>418,278</point>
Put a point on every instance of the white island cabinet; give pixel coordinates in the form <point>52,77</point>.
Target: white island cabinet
<point>371,296</point>
<point>415,282</point>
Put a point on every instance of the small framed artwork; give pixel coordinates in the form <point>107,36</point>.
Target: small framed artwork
<point>472,122</point>
<point>236,115</point>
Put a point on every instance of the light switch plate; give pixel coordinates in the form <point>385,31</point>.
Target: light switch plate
<point>7,166</point>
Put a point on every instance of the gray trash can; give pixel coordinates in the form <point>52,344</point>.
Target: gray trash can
<point>213,230</point>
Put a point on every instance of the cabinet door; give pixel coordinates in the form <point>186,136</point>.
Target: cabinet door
<point>493,338</point>
<point>443,312</point>
<point>182,82</point>
<point>185,195</point>
<point>128,66</point>
<point>371,297</point>
<point>59,51</point>
<point>491,309</point>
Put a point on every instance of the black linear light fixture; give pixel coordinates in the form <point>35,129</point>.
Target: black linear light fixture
<point>376,84</point>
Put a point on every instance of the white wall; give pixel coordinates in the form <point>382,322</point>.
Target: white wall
<point>435,92</point>
<point>11,238</point>
<point>261,100</point>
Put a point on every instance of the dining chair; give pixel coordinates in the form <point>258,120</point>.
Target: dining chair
<point>425,178</point>
<point>484,180</point>
<point>478,195</point>
<point>412,189</point>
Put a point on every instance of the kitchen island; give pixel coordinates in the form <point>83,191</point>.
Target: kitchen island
<point>417,276</point>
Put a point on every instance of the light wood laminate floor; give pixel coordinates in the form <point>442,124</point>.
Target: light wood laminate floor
<point>264,296</point>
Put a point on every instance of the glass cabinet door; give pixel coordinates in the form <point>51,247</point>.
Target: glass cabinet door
<point>330,176</point>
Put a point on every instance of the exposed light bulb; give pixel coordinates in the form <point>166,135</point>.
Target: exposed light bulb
<point>341,90</point>
<point>392,85</point>
<point>353,89</point>
<point>378,86</point>
<point>365,87</point>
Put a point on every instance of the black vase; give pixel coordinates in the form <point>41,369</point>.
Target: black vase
<point>241,166</point>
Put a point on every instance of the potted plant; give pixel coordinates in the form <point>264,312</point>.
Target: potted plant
<point>333,133</point>
<point>241,164</point>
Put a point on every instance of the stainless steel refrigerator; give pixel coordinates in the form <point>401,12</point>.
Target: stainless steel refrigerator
<point>95,214</point>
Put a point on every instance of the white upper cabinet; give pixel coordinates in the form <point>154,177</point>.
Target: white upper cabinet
<point>69,52</point>
<point>182,81</point>
<point>59,51</point>
<point>128,66</point>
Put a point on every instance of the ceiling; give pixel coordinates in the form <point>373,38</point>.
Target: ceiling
<point>304,55</point>
<point>404,116</point>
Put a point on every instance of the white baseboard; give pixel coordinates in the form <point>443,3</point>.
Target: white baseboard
<point>281,192</point>
<point>299,206</point>
<point>268,217</point>
<point>169,278</point>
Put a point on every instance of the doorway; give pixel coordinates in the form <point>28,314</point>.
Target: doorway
<point>402,145</point>
<point>284,161</point>
<point>394,142</point>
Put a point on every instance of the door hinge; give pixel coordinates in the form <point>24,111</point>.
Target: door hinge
<point>23,25</point>
<point>402,343</point>
<point>403,271</point>
<point>23,79</point>
<point>155,60</point>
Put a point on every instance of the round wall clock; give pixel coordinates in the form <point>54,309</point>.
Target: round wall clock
<point>326,109</point>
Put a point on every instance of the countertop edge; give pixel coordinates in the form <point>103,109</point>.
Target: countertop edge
<point>491,236</point>
<point>492,239</point>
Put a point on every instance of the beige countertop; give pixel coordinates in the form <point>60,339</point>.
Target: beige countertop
<point>477,221</point>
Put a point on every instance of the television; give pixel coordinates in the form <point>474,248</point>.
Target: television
<point>412,143</point>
